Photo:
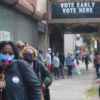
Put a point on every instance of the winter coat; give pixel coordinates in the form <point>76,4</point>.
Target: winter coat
<point>42,73</point>
<point>21,82</point>
<point>61,58</point>
<point>86,60</point>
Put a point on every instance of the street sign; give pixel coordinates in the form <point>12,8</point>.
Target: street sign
<point>64,10</point>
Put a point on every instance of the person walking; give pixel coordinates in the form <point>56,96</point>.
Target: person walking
<point>48,57</point>
<point>97,63</point>
<point>17,80</point>
<point>69,63</point>
<point>45,78</point>
<point>61,67</point>
<point>86,61</point>
<point>56,64</point>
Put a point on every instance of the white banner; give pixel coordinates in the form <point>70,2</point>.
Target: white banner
<point>95,44</point>
<point>78,43</point>
<point>4,36</point>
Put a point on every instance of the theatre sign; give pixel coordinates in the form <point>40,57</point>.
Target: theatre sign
<point>64,10</point>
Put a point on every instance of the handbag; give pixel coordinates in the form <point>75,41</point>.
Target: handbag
<point>60,65</point>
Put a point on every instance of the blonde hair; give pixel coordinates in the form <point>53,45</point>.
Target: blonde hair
<point>29,47</point>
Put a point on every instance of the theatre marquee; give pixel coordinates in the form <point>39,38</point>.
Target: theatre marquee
<point>64,10</point>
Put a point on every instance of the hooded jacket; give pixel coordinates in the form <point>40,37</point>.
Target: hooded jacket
<point>21,82</point>
<point>69,60</point>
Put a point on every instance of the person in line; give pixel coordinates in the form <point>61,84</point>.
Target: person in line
<point>86,61</point>
<point>41,57</point>
<point>48,57</point>
<point>83,58</point>
<point>97,63</point>
<point>69,63</point>
<point>29,54</point>
<point>56,64</point>
<point>20,46</point>
<point>62,60</point>
<point>17,80</point>
<point>26,44</point>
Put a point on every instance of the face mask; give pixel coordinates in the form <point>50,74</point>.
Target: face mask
<point>49,51</point>
<point>28,58</point>
<point>6,60</point>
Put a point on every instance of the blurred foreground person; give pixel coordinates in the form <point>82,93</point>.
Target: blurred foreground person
<point>69,63</point>
<point>29,54</point>
<point>17,80</point>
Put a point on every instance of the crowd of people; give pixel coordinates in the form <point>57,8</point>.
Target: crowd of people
<point>22,75</point>
<point>94,58</point>
<point>25,74</point>
<point>58,63</point>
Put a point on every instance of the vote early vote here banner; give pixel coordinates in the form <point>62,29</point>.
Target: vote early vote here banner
<point>64,10</point>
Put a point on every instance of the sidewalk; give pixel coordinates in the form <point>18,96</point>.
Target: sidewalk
<point>72,88</point>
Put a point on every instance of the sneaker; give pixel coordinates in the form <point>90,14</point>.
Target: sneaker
<point>58,78</point>
<point>71,76</point>
<point>97,78</point>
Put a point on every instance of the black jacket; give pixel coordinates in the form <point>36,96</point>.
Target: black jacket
<point>21,82</point>
<point>42,73</point>
<point>61,58</point>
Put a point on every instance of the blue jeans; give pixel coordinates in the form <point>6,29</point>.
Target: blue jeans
<point>97,68</point>
<point>86,66</point>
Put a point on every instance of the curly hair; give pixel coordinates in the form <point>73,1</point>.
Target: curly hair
<point>29,47</point>
<point>13,45</point>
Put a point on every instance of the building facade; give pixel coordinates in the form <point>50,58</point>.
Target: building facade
<point>69,44</point>
<point>72,17</point>
<point>20,19</point>
<point>42,27</point>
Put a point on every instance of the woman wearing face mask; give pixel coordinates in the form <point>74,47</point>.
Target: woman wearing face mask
<point>17,80</point>
<point>29,54</point>
<point>56,64</point>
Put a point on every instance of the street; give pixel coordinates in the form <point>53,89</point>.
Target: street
<point>72,88</point>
